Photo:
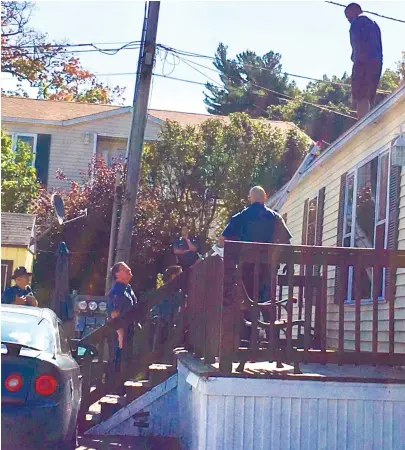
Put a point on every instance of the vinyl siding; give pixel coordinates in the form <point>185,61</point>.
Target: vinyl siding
<point>68,150</point>
<point>373,138</point>
<point>20,257</point>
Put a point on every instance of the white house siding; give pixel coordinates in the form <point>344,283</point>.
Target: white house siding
<point>258,414</point>
<point>374,137</point>
<point>68,149</point>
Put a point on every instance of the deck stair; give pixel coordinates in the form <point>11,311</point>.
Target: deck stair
<point>132,389</point>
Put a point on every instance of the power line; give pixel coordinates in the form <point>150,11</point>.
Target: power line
<point>196,55</point>
<point>278,93</point>
<point>370,12</point>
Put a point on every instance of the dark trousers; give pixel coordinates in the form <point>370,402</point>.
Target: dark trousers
<point>126,350</point>
<point>263,293</point>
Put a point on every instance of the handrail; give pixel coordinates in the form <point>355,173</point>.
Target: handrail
<point>346,268</point>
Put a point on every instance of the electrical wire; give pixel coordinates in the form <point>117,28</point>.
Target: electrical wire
<point>379,91</point>
<point>369,12</point>
<point>289,97</point>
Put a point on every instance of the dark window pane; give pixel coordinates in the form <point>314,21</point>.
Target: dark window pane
<point>349,204</point>
<point>382,207</point>
<point>346,242</point>
<point>311,232</point>
<point>365,207</point>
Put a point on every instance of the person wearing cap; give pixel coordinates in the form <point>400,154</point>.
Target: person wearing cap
<point>21,293</point>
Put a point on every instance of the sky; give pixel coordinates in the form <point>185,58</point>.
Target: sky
<point>311,36</point>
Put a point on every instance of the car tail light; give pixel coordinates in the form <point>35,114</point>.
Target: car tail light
<point>45,385</point>
<point>14,382</point>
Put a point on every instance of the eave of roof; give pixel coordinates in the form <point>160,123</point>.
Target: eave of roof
<point>359,126</point>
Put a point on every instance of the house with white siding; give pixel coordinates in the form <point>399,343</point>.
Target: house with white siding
<point>352,194</point>
<point>66,135</point>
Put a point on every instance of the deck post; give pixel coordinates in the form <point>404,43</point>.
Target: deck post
<point>230,311</point>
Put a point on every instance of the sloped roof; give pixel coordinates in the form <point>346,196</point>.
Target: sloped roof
<point>16,229</point>
<point>49,110</point>
<point>28,108</point>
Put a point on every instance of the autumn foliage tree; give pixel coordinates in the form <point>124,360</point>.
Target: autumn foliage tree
<point>31,57</point>
<point>88,238</point>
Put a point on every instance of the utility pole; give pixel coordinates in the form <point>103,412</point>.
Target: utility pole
<point>137,133</point>
<point>113,233</point>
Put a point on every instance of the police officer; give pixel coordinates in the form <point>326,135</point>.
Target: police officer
<point>21,293</point>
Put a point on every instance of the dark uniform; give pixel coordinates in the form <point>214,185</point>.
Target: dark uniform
<point>186,259</point>
<point>10,294</point>
<point>122,298</point>
<point>257,223</point>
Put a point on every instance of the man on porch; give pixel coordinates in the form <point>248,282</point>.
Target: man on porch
<point>121,300</point>
<point>257,223</point>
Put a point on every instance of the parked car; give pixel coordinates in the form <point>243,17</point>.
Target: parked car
<point>41,382</point>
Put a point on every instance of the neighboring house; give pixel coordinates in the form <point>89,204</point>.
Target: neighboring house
<point>17,244</point>
<point>352,195</point>
<point>66,135</point>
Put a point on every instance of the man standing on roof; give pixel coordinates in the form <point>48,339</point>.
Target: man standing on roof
<point>365,38</point>
<point>21,293</point>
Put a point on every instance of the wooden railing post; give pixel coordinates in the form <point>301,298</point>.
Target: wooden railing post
<point>230,311</point>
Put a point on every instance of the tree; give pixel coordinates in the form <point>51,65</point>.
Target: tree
<point>88,238</point>
<point>31,57</point>
<point>203,174</point>
<point>195,175</point>
<point>18,177</point>
<point>241,78</point>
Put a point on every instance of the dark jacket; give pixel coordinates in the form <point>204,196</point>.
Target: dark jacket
<point>365,38</point>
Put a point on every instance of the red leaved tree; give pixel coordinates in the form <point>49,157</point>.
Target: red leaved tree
<point>31,57</point>
<point>88,238</point>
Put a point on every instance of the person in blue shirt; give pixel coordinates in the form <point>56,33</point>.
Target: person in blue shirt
<point>257,223</point>
<point>185,249</point>
<point>367,57</point>
<point>121,299</point>
<point>21,293</point>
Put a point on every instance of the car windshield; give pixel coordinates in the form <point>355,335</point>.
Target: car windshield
<point>25,329</point>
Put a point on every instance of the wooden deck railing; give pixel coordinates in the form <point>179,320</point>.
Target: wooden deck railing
<point>225,314</point>
<point>100,374</point>
<point>309,299</point>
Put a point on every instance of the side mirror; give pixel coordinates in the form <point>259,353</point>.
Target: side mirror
<point>85,350</point>
<point>79,351</point>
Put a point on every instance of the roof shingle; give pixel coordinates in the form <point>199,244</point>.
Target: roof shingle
<point>28,108</point>
<point>16,229</point>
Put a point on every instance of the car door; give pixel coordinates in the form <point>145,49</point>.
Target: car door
<point>72,372</point>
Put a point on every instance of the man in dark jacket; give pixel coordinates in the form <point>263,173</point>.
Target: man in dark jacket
<point>257,223</point>
<point>365,38</point>
<point>121,299</point>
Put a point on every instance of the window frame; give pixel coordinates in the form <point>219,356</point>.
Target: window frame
<point>14,139</point>
<point>380,154</point>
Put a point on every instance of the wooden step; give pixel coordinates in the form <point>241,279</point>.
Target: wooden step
<point>109,405</point>
<point>135,389</point>
<point>160,372</point>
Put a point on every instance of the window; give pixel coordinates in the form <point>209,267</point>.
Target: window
<point>365,223</point>
<point>311,225</point>
<point>28,330</point>
<point>6,272</point>
<point>64,343</point>
<point>112,156</point>
<point>29,139</point>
